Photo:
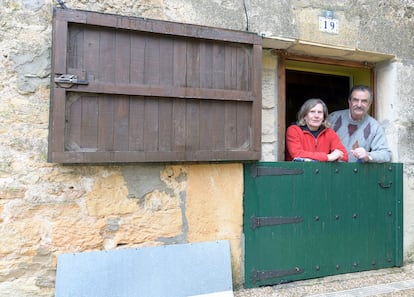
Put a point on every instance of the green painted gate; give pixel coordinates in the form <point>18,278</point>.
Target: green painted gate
<point>306,220</point>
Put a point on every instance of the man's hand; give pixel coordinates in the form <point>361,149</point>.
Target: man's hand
<point>360,153</point>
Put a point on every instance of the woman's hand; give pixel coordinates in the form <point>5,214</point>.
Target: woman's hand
<point>335,155</point>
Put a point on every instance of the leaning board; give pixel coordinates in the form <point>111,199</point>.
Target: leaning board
<point>196,269</point>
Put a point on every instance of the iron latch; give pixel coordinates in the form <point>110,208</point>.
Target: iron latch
<point>68,80</point>
<point>257,276</point>
<point>271,221</point>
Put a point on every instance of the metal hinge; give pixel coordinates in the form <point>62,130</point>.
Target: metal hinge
<point>257,276</point>
<point>68,80</point>
<point>264,171</point>
<point>256,222</point>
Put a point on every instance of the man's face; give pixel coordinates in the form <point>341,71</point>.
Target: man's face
<point>359,104</point>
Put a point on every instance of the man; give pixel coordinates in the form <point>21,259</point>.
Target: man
<point>360,133</point>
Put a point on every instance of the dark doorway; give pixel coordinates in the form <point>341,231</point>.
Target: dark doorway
<point>302,85</point>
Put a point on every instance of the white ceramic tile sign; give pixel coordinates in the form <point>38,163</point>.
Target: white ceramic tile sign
<point>328,25</point>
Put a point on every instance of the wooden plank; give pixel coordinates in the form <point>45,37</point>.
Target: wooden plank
<point>166,62</point>
<point>206,65</point>
<point>231,68</point>
<point>206,125</point>
<point>217,118</point>
<point>179,124</point>
<point>122,57</point>
<point>281,105</point>
<point>193,65</point>
<point>75,47</point>
<point>219,63</point>
<point>121,123</point>
<point>244,126</point>
<point>151,125</point>
<point>60,41</point>
<point>165,91</point>
<point>91,54</point>
<point>106,123</point>
<point>107,57</point>
<point>57,122</point>
<point>180,69</point>
<point>230,127</point>
<point>157,26</point>
<point>243,62</point>
<point>73,120</point>
<point>103,20</point>
<point>193,126</point>
<point>70,15</point>
<point>323,60</point>
<point>165,125</point>
<point>152,61</point>
<point>67,157</point>
<point>137,59</point>
<point>125,157</point>
<point>136,124</point>
<point>89,123</point>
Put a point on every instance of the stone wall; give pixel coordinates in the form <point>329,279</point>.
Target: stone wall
<point>47,209</point>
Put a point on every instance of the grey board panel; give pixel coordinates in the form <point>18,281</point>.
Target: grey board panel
<point>162,271</point>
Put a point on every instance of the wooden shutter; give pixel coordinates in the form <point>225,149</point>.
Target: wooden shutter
<point>128,89</point>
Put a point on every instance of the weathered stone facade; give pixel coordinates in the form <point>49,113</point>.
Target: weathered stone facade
<point>47,209</point>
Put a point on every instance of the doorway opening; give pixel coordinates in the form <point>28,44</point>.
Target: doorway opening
<point>303,85</point>
<point>304,78</point>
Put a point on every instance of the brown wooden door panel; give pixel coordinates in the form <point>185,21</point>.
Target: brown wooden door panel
<point>154,91</point>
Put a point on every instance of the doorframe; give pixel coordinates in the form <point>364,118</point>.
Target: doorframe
<point>282,57</point>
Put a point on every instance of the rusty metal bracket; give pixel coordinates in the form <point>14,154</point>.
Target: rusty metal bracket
<point>257,276</point>
<point>256,222</point>
<point>266,171</point>
<point>384,185</point>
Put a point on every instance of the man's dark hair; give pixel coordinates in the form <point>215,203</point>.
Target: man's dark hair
<point>362,88</point>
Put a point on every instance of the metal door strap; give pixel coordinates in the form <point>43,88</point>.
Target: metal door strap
<point>263,275</point>
<point>270,221</point>
<point>264,171</point>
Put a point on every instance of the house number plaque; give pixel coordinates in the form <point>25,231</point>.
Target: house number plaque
<point>328,25</point>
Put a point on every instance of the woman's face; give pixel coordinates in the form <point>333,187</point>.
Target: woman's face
<point>314,117</point>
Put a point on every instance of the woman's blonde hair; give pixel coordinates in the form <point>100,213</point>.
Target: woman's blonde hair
<point>307,106</point>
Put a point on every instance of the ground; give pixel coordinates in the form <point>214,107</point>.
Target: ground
<point>383,282</point>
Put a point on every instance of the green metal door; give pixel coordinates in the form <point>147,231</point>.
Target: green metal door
<point>308,219</point>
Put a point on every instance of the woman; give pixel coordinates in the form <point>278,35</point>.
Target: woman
<point>311,139</point>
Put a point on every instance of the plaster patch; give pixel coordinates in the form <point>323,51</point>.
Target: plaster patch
<point>141,180</point>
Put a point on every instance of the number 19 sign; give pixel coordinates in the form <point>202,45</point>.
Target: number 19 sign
<point>328,25</point>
